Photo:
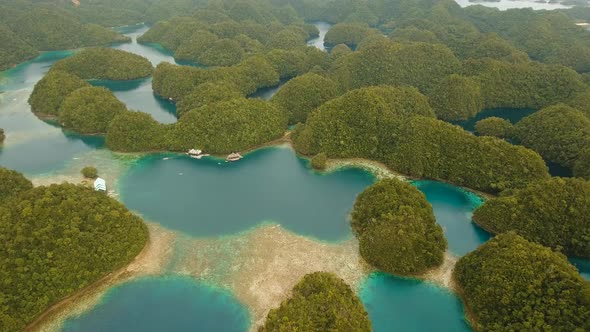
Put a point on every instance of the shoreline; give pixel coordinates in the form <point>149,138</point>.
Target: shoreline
<point>146,263</point>
<point>271,259</point>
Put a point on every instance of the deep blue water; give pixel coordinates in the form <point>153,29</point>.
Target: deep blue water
<point>177,304</point>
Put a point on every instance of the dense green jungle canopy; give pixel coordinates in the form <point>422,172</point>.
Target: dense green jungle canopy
<point>56,240</point>
<point>319,302</point>
<point>362,124</point>
<point>555,213</point>
<point>396,229</point>
<point>105,64</point>
<point>396,71</point>
<point>511,284</point>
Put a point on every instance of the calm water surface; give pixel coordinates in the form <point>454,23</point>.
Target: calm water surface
<point>211,197</point>
<point>398,304</point>
<point>177,304</point>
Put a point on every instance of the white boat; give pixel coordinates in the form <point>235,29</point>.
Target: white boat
<point>233,157</point>
<point>195,153</point>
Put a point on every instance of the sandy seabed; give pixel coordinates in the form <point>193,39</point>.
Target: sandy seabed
<point>260,266</point>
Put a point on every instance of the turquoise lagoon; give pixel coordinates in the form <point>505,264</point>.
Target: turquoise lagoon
<point>163,304</point>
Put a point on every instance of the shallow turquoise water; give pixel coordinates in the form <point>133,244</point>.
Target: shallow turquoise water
<point>398,304</point>
<point>453,208</point>
<point>164,304</point>
<point>26,74</point>
<point>211,197</point>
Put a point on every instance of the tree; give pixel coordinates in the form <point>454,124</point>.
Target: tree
<point>49,93</point>
<point>319,302</point>
<point>90,110</point>
<point>106,64</point>
<point>89,172</point>
<point>494,126</point>
<point>57,240</point>
<point>12,183</point>
<point>511,284</point>
<point>366,123</point>
<point>135,132</point>
<point>346,33</point>
<point>303,94</point>
<point>559,133</point>
<point>229,126</point>
<point>456,98</point>
<point>2,135</point>
<point>207,93</point>
<point>582,165</point>
<point>319,161</point>
<point>397,230</point>
<point>554,213</point>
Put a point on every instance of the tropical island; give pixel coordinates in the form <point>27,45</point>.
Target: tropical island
<point>105,64</point>
<point>393,88</point>
<point>79,236</point>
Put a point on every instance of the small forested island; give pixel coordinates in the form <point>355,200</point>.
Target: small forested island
<point>511,284</point>
<point>319,302</point>
<point>396,229</point>
<point>496,127</point>
<point>105,64</point>
<point>555,213</point>
<point>2,135</point>
<point>56,240</point>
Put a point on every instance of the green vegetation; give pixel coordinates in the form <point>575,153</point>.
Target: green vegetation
<point>456,98</point>
<point>2,135</point>
<point>12,183</point>
<point>106,64</point>
<point>510,284</point>
<point>90,110</point>
<point>55,241</point>
<point>396,229</point>
<point>559,133</point>
<point>319,161</point>
<point>421,65</point>
<point>349,34</point>
<point>523,85</point>
<point>319,302</point>
<point>89,172</point>
<point>339,51</point>
<point>221,127</point>
<point>29,27</point>
<point>229,126</point>
<point>13,49</point>
<point>303,94</point>
<point>207,93</point>
<point>581,102</point>
<point>582,165</point>
<point>176,82</point>
<point>135,132</point>
<point>554,213</point>
<point>50,92</point>
<point>496,127</point>
<point>547,36</point>
<point>362,124</point>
